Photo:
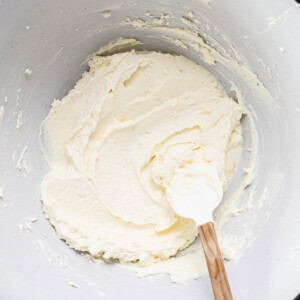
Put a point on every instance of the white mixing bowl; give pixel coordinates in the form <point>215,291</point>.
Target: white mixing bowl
<point>53,39</point>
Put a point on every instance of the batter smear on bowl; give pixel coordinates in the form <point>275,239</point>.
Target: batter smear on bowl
<point>115,143</point>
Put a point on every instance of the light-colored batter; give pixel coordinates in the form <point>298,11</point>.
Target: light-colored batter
<point>116,144</point>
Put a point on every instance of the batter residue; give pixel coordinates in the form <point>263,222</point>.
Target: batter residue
<point>115,143</point>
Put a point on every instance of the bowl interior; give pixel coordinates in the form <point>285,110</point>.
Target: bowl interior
<point>53,39</point>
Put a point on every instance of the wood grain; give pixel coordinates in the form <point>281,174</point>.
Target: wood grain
<point>215,264</point>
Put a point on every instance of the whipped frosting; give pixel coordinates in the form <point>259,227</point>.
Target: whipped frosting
<point>124,142</point>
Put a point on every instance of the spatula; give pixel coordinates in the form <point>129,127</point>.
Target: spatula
<point>198,201</point>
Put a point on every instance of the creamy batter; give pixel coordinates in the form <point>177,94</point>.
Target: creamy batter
<point>120,143</point>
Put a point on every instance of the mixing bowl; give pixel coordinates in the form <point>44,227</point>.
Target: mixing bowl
<point>44,48</point>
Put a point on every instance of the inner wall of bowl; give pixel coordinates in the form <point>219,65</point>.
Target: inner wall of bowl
<point>54,39</point>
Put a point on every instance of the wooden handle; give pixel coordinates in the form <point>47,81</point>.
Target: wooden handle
<point>214,260</point>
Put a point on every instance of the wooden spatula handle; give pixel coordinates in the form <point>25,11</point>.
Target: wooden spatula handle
<point>214,262</point>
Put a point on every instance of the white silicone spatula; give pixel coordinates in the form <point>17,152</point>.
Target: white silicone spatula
<point>197,201</point>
